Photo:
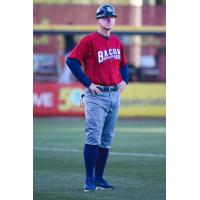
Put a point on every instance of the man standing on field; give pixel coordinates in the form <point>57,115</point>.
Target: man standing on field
<point>105,76</point>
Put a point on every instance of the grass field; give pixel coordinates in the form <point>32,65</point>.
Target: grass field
<point>136,165</point>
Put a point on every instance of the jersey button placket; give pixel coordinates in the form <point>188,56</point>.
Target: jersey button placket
<point>109,60</point>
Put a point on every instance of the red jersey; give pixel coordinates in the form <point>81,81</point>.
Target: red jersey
<point>101,58</point>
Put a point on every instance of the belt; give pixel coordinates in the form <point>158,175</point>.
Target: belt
<point>107,88</point>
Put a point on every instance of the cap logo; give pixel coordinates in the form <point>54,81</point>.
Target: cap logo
<point>109,9</point>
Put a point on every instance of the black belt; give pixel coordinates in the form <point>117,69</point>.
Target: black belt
<point>107,88</point>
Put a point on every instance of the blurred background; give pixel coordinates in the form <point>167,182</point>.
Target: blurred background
<point>57,27</point>
<point>137,159</point>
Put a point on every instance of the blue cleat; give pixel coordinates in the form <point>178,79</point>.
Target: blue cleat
<point>89,185</point>
<point>102,184</point>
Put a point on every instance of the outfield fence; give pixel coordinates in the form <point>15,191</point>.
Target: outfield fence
<point>138,100</point>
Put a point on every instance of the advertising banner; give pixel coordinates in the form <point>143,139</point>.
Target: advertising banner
<point>56,99</point>
<point>137,100</point>
<point>143,100</point>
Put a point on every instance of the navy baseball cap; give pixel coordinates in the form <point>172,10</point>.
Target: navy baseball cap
<point>105,10</point>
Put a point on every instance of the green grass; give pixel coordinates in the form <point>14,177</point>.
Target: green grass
<point>59,172</point>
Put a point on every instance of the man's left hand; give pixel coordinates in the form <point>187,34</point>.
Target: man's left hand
<point>121,86</point>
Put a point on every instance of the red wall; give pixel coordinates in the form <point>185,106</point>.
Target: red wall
<point>85,14</point>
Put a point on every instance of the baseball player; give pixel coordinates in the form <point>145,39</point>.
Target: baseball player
<point>105,76</point>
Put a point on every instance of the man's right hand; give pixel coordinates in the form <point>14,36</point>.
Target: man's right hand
<point>94,89</point>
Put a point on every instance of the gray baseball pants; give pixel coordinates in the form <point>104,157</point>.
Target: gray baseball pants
<point>101,113</point>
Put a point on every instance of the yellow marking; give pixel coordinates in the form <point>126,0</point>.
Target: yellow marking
<point>91,28</point>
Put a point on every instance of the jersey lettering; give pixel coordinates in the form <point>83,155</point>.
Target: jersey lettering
<point>108,54</point>
<point>100,51</point>
<point>100,56</point>
<point>105,53</point>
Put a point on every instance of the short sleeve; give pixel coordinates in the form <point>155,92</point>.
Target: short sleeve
<point>123,56</point>
<point>80,50</point>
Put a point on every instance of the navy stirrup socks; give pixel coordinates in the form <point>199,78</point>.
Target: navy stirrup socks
<point>90,156</point>
<point>101,162</point>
